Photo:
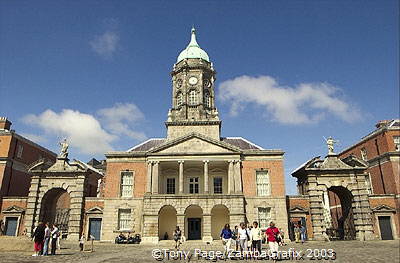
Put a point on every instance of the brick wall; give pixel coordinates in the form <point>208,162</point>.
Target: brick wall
<point>112,179</point>
<point>276,175</point>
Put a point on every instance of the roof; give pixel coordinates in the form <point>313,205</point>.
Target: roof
<point>193,50</point>
<point>238,142</point>
<point>393,124</point>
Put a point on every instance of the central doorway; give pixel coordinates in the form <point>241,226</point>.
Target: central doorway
<point>194,228</point>
<point>193,222</point>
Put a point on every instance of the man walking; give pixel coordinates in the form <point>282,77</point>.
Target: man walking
<point>54,236</point>
<point>272,236</point>
<point>256,236</point>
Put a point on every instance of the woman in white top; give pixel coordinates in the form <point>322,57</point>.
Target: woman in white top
<point>243,237</point>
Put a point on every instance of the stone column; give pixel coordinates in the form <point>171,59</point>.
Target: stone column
<point>148,177</point>
<point>316,209</point>
<point>181,177</point>
<point>180,221</point>
<point>230,178</point>
<point>207,228</point>
<point>76,207</point>
<point>238,178</point>
<point>206,188</point>
<point>155,174</point>
<point>32,209</point>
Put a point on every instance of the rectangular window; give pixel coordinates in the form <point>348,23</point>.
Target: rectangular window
<point>364,154</point>
<point>19,151</point>
<point>170,185</point>
<point>126,184</point>
<point>264,216</point>
<point>194,185</point>
<point>396,140</point>
<point>217,185</point>
<point>262,181</point>
<point>124,219</point>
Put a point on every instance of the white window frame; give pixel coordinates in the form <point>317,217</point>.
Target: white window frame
<point>166,185</point>
<point>263,221</point>
<point>179,99</point>
<point>126,187</point>
<point>192,97</point>
<point>194,183</point>
<point>124,219</point>
<point>207,100</point>
<point>263,185</point>
<point>222,184</point>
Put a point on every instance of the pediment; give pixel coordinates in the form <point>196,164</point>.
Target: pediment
<point>383,208</point>
<point>94,210</point>
<point>194,143</point>
<point>14,209</point>
<point>298,209</point>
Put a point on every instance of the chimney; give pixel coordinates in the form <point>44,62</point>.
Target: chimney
<point>382,123</point>
<point>5,124</point>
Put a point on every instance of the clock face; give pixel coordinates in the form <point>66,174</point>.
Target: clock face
<point>192,80</point>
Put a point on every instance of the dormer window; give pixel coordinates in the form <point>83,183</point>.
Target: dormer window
<point>192,97</point>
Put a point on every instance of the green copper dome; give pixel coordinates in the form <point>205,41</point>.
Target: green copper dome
<point>193,50</point>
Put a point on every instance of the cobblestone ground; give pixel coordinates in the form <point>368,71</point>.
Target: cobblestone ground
<point>345,251</point>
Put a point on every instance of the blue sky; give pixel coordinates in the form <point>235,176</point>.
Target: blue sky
<point>288,72</point>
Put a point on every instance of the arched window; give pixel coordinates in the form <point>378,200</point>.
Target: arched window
<point>192,97</point>
<point>207,101</point>
<point>179,99</point>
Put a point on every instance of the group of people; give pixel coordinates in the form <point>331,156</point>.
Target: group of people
<point>250,238</point>
<point>44,237</point>
<point>299,233</point>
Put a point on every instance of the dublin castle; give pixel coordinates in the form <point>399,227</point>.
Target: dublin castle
<point>196,179</point>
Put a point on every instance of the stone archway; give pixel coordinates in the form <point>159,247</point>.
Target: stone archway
<point>55,208</point>
<point>194,222</point>
<point>219,217</point>
<point>167,222</point>
<point>341,211</point>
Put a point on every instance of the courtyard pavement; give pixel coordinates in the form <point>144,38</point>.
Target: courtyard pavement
<point>339,251</point>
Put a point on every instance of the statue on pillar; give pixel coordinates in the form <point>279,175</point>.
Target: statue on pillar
<point>330,142</point>
<point>64,149</point>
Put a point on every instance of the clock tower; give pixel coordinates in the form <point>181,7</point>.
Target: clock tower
<point>193,96</point>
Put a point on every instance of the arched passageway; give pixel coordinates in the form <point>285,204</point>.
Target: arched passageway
<point>194,222</point>
<point>55,208</point>
<point>166,222</point>
<point>219,217</point>
<point>341,208</point>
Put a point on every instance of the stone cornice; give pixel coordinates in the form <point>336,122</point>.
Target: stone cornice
<point>193,123</point>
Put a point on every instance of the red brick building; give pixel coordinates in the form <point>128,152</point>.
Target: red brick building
<point>16,154</point>
<point>381,150</point>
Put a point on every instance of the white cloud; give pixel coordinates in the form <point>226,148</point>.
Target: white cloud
<point>89,134</point>
<point>106,44</point>
<point>83,131</point>
<point>120,117</point>
<point>302,104</point>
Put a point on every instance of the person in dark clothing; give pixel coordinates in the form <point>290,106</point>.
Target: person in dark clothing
<point>38,238</point>
<point>55,233</point>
